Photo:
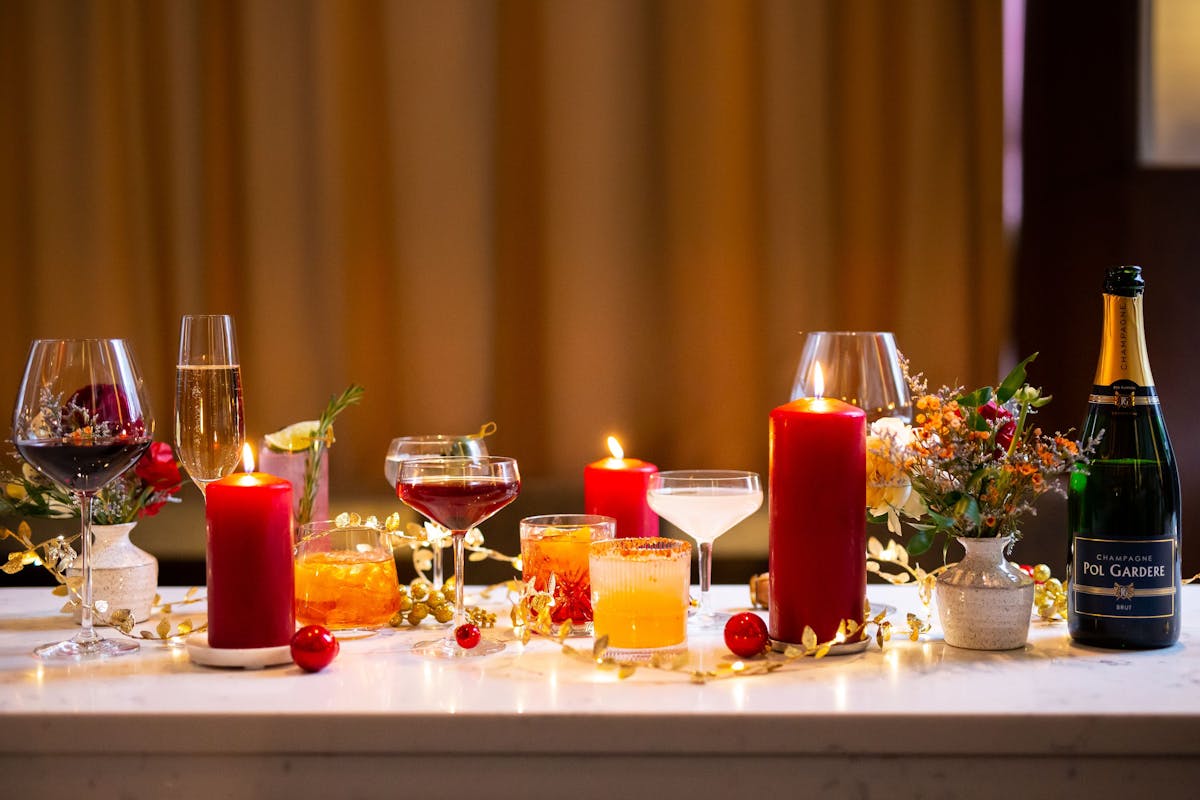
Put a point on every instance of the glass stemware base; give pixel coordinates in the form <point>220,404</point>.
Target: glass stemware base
<point>701,620</point>
<point>83,650</point>
<point>447,647</point>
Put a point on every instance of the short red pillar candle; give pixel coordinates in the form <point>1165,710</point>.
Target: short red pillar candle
<point>616,487</point>
<point>251,577</point>
<point>817,518</point>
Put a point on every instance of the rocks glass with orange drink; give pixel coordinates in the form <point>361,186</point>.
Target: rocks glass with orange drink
<point>640,595</point>
<point>557,545</point>
<point>345,578</point>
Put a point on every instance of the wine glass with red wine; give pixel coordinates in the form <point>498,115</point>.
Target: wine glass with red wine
<point>81,419</point>
<point>458,493</point>
<point>403,448</point>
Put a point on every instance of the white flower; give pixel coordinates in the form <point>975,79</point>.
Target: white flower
<point>889,492</point>
<point>893,428</point>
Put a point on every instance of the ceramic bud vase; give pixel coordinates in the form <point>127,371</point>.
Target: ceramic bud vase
<point>123,574</point>
<point>983,601</point>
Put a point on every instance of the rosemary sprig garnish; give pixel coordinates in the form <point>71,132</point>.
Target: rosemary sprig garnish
<point>322,438</point>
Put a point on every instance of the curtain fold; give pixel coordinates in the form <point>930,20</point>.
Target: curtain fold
<point>576,218</point>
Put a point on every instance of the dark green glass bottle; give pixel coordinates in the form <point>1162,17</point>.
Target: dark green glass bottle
<point>1124,508</point>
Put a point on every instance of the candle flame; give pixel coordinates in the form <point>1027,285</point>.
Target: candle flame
<point>248,457</point>
<point>614,447</point>
<point>818,380</point>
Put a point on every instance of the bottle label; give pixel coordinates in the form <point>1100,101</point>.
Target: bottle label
<point>1123,395</point>
<point>1126,578</point>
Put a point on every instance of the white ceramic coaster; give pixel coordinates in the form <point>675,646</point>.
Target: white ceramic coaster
<point>252,658</point>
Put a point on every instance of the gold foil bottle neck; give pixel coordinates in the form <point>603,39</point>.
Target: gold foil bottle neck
<point>1123,346</point>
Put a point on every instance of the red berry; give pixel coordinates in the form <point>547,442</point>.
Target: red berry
<point>746,634</point>
<point>313,647</point>
<point>467,635</point>
<point>1027,569</point>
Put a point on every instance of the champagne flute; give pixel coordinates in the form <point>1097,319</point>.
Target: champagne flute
<point>458,493</point>
<point>704,503</point>
<point>209,421</point>
<point>81,419</point>
<point>403,448</point>
<point>859,367</point>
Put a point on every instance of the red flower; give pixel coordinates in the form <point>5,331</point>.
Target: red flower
<point>106,403</point>
<point>159,468</point>
<point>1006,428</point>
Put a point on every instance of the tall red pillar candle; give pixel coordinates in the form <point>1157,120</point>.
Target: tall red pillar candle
<point>817,518</point>
<point>251,577</point>
<point>616,487</point>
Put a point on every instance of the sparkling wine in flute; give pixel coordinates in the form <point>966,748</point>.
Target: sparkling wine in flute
<point>1124,507</point>
<point>209,420</point>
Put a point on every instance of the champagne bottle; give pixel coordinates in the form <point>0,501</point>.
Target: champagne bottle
<point>1123,568</point>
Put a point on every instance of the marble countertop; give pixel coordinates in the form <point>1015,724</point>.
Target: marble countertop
<point>910,698</point>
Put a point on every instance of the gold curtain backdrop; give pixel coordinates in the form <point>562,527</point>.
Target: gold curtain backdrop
<point>574,218</point>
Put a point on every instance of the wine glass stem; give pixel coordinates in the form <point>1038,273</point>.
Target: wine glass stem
<point>86,632</point>
<point>439,577</point>
<point>705,578</point>
<point>460,613</point>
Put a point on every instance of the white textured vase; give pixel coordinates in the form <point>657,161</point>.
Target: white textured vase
<point>123,574</point>
<point>984,603</point>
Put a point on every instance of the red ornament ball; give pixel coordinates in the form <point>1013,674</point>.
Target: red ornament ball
<point>467,635</point>
<point>314,647</point>
<point>746,634</point>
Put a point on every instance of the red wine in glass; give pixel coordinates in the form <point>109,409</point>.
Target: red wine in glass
<point>83,467</point>
<point>458,493</point>
<point>82,418</point>
<point>459,504</point>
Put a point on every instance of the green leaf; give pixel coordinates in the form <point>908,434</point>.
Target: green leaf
<point>976,478</point>
<point>1013,381</point>
<point>966,507</point>
<point>942,522</point>
<point>979,397</point>
<point>920,542</point>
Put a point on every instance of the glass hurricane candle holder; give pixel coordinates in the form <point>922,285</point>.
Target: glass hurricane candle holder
<point>862,368</point>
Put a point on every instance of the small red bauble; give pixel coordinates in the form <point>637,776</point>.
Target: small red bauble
<point>313,647</point>
<point>467,635</point>
<point>746,634</point>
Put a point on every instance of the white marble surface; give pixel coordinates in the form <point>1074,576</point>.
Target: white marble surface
<point>926,702</point>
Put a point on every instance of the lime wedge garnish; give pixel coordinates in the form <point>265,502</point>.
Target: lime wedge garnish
<point>293,438</point>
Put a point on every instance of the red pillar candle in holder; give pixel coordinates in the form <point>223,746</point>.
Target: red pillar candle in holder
<point>817,518</point>
<point>251,576</point>
<point>616,487</point>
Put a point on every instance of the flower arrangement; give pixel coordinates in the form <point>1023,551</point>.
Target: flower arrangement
<point>971,464</point>
<point>140,492</point>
